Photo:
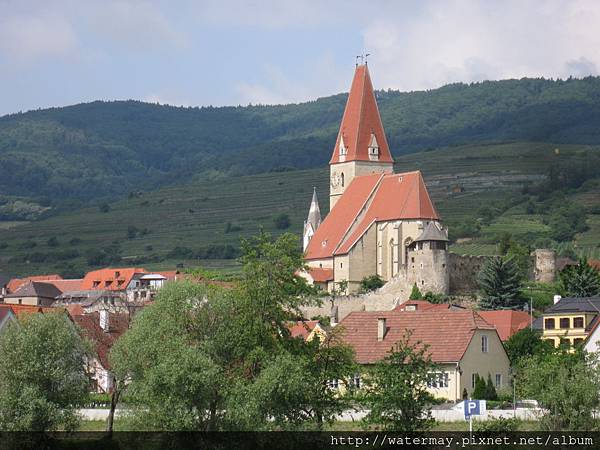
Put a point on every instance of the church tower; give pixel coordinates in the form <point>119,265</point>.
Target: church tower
<point>361,147</point>
<point>312,222</point>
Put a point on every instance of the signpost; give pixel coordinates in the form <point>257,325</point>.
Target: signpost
<point>473,408</point>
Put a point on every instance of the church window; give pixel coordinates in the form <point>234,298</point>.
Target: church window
<point>342,179</point>
<point>341,265</point>
<point>422,282</point>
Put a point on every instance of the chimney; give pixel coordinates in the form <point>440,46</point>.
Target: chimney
<point>381,328</point>
<point>557,299</point>
<point>104,324</point>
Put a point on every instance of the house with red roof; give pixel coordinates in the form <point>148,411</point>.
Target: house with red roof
<point>380,222</point>
<point>102,329</point>
<point>507,322</point>
<point>16,283</point>
<point>460,342</point>
<point>307,329</point>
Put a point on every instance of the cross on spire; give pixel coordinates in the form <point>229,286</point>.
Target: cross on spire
<point>363,59</point>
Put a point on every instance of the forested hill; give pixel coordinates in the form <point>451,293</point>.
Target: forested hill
<point>108,149</point>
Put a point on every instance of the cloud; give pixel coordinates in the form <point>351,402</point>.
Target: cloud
<point>441,42</point>
<point>30,38</point>
<point>135,25</point>
<point>311,79</point>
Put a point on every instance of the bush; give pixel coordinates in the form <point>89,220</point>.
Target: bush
<point>104,208</point>
<point>499,425</point>
<point>52,242</point>
<point>231,228</point>
<point>371,283</point>
<point>282,222</point>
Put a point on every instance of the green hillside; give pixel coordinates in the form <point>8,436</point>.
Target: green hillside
<point>62,158</point>
<point>200,223</point>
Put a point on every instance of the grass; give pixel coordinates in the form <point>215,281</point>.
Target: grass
<point>195,213</point>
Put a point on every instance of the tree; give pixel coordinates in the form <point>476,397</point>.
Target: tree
<point>480,389</point>
<point>52,242</point>
<point>396,388</point>
<point>292,391</point>
<point>581,280</point>
<point>415,294</point>
<point>500,283</point>
<point>282,222</point>
<point>180,389</point>
<point>524,343</point>
<point>490,389</point>
<point>566,384</point>
<point>371,283</point>
<point>224,359</point>
<point>42,374</point>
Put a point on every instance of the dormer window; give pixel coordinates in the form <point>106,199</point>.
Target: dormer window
<point>342,150</point>
<point>373,148</point>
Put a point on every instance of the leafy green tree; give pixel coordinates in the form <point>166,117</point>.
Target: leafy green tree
<point>396,388</point>
<point>181,388</point>
<point>500,283</point>
<point>524,343</point>
<point>415,294</point>
<point>581,280</point>
<point>292,391</point>
<point>371,283</point>
<point>52,242</point>
<point>282,222</point>
<point>42,374</point>
<point>504,243</point>
<point>566,384</point>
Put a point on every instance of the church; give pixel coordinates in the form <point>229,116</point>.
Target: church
<point>380,222</point>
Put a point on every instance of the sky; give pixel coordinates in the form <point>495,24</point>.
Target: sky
<point>234,52</point>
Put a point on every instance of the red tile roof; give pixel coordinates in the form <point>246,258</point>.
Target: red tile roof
<point>66,285</point>
<point>447,333</point>
<point>369,199</point>
<point>108,280</point>
<point>302,328</point>
<point>332,230</point>
<point>422,305</point>
<point>321,275</point>
<point>21,310</point>
<point>506,322</point>
<point>16,283</point>
<point>361,120</point>
<point>102,341</point>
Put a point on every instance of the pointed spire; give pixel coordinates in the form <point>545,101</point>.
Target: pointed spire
<point>361,124</point>
<point>314,214</point>
<point>314,219</point>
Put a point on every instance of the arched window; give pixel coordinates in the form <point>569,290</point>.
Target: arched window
<point>342,178</point>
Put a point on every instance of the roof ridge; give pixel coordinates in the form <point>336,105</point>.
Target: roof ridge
<point>362,210</point>
<point>360,111</point>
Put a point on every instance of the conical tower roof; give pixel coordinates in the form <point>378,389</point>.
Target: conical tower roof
<point>361,124</point>
<point>314,214</point>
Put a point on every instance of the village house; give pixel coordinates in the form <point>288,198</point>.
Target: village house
<point>380,223</point>
<point>102,329</point>
<point>460,342</point>
<point>307,330</point>
<point>33,293</point>
<point>570,320</point>
<point>16,283</point>
<point>507,322</point>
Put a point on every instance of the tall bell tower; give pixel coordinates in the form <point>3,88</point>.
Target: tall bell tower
<point>361,147</point>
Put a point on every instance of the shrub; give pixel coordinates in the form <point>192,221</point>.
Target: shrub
<point>371,283</point>
<point>282,222</point>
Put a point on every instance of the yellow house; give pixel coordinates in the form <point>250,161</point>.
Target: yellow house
<point>460,342</point>
<point>570,320</point>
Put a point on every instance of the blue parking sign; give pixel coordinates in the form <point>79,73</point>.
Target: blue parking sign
<point>472,408</point>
